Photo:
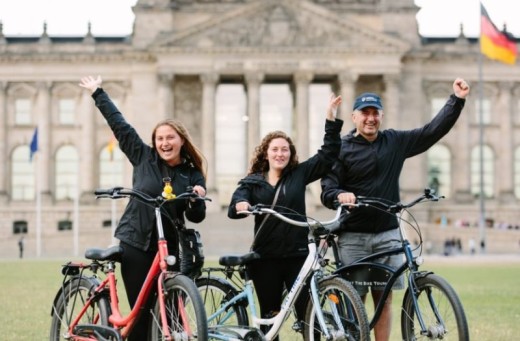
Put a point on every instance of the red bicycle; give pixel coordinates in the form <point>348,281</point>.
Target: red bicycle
<point>86,306</point>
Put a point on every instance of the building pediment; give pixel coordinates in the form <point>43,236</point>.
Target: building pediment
<point>280,26</point>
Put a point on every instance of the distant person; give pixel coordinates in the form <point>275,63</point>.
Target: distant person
<point>21,243</point>
<point>471,246</point>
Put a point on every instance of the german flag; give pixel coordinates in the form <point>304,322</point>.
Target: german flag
<point>494,43</point>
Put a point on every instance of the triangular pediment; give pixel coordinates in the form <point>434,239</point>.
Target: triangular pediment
<point>283,25</point>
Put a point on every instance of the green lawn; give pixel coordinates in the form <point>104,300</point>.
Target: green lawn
<point>490,294</point>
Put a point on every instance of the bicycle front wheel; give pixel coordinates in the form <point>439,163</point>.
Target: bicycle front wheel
<point>67,307</point>
<point>215,293</point>
<point>184,309</point>
<point>440,309</point>
<point>343,311</point>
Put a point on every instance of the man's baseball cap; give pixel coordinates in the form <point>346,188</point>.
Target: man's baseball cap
<point>368,99</point>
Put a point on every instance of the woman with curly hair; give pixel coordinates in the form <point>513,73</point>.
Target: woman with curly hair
<point>276,177</point>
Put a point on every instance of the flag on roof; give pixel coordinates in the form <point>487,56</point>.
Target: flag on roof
<point>496,44</point>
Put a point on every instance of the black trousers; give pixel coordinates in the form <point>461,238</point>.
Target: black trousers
<point>135,265</point>
<point>270,277</point>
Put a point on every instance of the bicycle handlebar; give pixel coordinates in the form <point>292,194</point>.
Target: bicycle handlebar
<point>330,225</point>
<point>121,192</point>
<point>428,195</point>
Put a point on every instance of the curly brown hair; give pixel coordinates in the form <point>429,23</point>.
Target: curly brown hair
<point>259,162</point>
<point>188,150</point>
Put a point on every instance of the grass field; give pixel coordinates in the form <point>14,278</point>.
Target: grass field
<point>490,292</point>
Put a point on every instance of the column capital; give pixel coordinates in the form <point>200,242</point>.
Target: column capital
<point>209,78</point>
<point>254,78</point>
<point>347,77</point>
<point>391,78</point>
<point>166,78</point>
<point>43,85</point>
<point>303,77</point>
<point>505,85</point>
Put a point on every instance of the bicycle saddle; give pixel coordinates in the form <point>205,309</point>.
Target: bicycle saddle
<point>238,260</point>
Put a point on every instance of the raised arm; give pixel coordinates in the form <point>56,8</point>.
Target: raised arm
<point>332,109</point>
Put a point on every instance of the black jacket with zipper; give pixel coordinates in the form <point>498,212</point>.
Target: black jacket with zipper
<point>137,225</point>
<point>278,239</point>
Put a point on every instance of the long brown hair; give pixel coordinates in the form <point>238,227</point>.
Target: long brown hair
<point>188,150</point>
<point>259,162</point>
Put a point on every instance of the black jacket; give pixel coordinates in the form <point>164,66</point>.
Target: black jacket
<point>372,169</point>
<point>277,238</point>
<point>137,225</point>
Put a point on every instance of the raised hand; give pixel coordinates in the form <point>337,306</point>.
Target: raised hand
<point>460,88</point>
<point>332,109</point>
<point>90,83</point>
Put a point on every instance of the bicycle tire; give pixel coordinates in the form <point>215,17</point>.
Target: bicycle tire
<point>447,303</point>
<point>215,292</point>
<point>339,295</point>
<point>180,289</point>
<point>70,300</point>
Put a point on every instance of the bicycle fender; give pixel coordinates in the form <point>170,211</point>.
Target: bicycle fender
<point>232,291</point>
<point>94,282</point>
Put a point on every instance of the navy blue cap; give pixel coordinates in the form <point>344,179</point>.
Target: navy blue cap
<point>368,99</point>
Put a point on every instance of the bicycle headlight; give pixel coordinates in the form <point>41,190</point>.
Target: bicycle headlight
<point>419,260</point>
<point>170,260</point>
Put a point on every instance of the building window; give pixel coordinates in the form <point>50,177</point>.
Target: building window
<point>486,111</point>
<point>276,108</point>
<point>19,227</point>
<point>517,172</point>
<point>64,225</point>
<point>231,127</point>
<point>436,105</point>
<point>488,167</point>
<point>67,173</point>
<point>22,111</point>
<point>23,176</point>
<point>111,166</point>
<point>66,111</point>
<point>439,169</point>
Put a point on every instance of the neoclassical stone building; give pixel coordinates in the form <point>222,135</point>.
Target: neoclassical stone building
<point>232,70</point>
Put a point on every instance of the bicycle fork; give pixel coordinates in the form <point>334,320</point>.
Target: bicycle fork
<point>332,301</point>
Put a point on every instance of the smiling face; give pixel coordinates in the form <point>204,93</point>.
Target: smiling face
<point>367,122</point>
<point>278,154</point>
<point>168,143</point>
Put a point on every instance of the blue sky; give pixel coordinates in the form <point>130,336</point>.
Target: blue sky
<point>115,17</point>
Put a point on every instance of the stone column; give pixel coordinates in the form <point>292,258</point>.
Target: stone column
<point>43,110</point>
<point>209,81</point>
<point>391,101</point>
<point>4,156</point>
<point>302,81</point>
<point>165,95</point>
<point>347,82</point>
<point>88,153</point>
<point>504,107</point>
<point>253,81</point>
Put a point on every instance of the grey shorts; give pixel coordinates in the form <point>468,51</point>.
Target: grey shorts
<point>354,245</point>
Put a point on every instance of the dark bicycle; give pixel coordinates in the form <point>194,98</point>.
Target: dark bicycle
<point>431,309</point>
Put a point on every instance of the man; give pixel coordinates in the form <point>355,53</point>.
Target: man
<point>369,164</point>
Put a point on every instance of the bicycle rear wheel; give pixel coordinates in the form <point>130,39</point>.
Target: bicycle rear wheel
<point>67,305</point>
<point>343,310</point>
<point>435,294</point>
<point>216,292</point>
<point>184,311</point>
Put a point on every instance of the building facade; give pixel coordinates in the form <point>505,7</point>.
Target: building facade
<point>233,70</point>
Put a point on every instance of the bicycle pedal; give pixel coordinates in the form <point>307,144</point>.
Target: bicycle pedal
<point>298,326</point>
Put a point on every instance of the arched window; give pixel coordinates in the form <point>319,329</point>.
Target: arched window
<point>439,169</point>
<point>66,185</point>
<point>517,172</point>
<point>23,177</point>
<point>488,171</point>
<point>111,166</point>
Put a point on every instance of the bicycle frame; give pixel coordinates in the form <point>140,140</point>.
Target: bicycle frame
<point>105,259</point>
<point>410,263</point>
<point>311,266</point>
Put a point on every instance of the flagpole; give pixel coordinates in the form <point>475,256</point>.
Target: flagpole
<point>38,210</point>
<point>482,218</point>
<point>76,215</point>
